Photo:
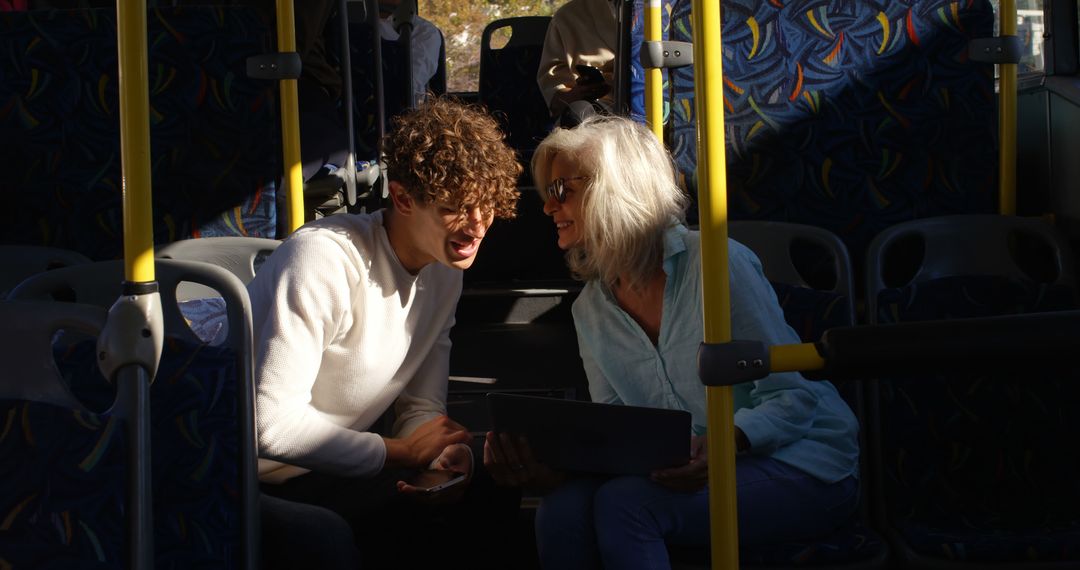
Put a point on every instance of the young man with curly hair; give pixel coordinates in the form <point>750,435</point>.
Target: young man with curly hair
<point>352,314</point>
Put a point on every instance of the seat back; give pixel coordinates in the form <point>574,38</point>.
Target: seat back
<point>963,461</point>
<point>508,85</point>
<point>214,152</point>
<point>239,256</point>
<point>810,269</point>
<point>202,408</point>
<point>22,261</point>
<point>65,467</point>
<point>851,116</point>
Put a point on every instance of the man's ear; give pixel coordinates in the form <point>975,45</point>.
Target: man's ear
<point>403,201</point>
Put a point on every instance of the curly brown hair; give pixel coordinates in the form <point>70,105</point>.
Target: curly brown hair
<point>448,152</point>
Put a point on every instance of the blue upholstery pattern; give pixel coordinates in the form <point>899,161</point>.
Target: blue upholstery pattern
<point>195,467</point>
<point>214,144</point>
<point>850,116</point>
<point>811,312</point>
<point>976,467</point>
<point>195,441</point>
<point>62,505</point>
<point>637,71</point>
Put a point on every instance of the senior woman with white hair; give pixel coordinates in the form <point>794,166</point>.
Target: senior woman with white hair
<point>609,187</point>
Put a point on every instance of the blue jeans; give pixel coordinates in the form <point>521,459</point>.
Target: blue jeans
<point>627,522</point>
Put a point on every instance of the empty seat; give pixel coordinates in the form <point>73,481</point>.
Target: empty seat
<point>969,467</point>
<point>202,411</point>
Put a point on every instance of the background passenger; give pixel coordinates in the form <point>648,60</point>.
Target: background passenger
<point>610,190</point>
<point>425,45</point>
<point>352,314</point>
<point>582,32</point>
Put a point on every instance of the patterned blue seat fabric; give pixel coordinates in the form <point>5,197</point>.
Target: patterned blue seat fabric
<point>214,137</point>
<point>850,116</point>
<point>62,504</point>
<point>977,467</point>
<point>195,438</point>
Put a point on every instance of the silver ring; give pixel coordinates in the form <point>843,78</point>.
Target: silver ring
<point>517,467</point>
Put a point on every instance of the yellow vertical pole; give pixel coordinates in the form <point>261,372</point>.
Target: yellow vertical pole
<point>716,288</point>
<point>133,65</point>
<point>290,118</point>
<point>1007,115</point>
<point>139,306</point>
<point>654,78</point>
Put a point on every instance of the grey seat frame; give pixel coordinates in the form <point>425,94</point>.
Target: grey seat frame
<point>100,284</point>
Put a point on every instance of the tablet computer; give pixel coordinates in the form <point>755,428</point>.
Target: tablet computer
<point>572,435</point>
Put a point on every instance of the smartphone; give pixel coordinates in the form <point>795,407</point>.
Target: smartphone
<point>588,74</point>
<point>434,480</point>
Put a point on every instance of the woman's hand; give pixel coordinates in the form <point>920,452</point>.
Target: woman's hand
<point>511,463</point>
<point>690,477</point>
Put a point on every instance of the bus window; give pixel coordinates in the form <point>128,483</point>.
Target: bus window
<point>463,22</point>
<point>1029,28</point>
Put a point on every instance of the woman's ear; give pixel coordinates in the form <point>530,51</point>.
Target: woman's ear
<point>403,201</point>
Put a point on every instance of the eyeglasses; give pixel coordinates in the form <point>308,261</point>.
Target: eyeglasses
<point>557,187</point>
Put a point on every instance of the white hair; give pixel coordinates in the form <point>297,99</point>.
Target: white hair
<point>628,202</point>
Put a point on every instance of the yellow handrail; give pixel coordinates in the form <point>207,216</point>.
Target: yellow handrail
<point>290,119</point>
<point>1007,115</point>
<point>654,78</point>
<point>716,288</point>
<point>133,65</point>
<point>795,358</point>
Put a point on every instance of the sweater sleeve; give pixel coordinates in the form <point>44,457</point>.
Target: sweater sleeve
<point>302,299</point>
<point>424,396</point>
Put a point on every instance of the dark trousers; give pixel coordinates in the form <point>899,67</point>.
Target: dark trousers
<point>397,531</point>
<point>299,535</point>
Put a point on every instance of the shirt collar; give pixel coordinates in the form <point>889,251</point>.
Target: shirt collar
<point>674,244</point>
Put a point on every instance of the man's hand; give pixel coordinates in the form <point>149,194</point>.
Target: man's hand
<point>457,458</point>
<point>425,444</point>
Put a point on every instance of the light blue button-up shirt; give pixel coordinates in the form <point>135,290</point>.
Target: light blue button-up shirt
<point>802,423</point>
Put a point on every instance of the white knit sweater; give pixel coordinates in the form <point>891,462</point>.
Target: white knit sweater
<point>341,331</point>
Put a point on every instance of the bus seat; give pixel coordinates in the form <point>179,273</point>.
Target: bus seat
<point>202,411</point>
<point>64,469</point>
<point>974,468</point>
<point>852,116</point>
<point>214,151</point>
<point>237,255</point>
<point>810,269</point>
<point>508,87</point>
<point>22,261</point>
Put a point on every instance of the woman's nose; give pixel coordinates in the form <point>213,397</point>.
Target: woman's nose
<point>551,205</point>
